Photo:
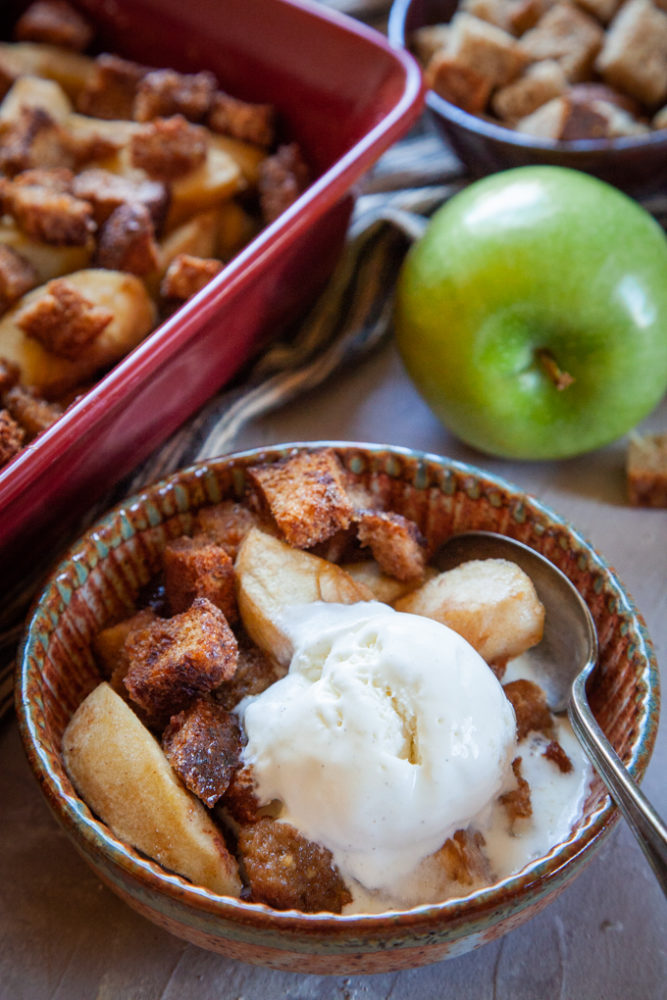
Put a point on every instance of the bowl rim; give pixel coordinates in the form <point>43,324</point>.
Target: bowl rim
<point>490,129</point>
<point>516,892</point>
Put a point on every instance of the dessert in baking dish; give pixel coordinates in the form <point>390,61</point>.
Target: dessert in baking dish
<point>124,189</point>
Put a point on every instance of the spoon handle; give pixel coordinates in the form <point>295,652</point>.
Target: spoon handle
<point>643,820</point>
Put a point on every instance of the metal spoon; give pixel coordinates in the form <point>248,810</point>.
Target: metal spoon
<point>565,658</point>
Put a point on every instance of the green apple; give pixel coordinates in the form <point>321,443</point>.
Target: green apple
<point>532,314</point>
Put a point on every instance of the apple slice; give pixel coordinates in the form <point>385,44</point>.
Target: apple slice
<point>490,602</point>
<point>119,769</point>
<point>271,576</point>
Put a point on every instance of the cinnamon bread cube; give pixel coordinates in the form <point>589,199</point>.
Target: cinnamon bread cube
<point>203,745</point>
<point>227,523</point>
<point>567,34</point>
<point>287,871</point>
<point>634,54</point>
<point>305,495</point>
<point>492,52</point>
<point>514,16</point>
<point>530,708</point>
<point>647,470</point>
<point>54,22</point>
<point>197,567</point>
<point>603,10</point>
<point>12,437</point>
<point>458,83</point>
<point>111,89</point>
<point>540,83</point>
<point>174,660</point>
<point>396,543</point>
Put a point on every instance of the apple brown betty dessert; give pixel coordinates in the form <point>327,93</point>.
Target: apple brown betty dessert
<point>304,712</point>
<point>124,189</point>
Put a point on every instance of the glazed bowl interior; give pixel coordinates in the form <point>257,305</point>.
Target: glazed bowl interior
<point>99,582</point>
<point>636,164</point>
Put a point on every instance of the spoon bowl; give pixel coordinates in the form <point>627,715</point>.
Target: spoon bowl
<point>564,660</point>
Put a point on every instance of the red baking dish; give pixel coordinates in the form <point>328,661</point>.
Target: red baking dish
<point>346,96</point>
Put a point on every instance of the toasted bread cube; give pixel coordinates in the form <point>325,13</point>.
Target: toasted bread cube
<point>63,320</point>
<point>514,16</point>
<point>305,495</point>
<point>240,800</point>
<point>426,41</point>
<point>570,118</point>
<point>51,376</point>
<point>187,275</point>
<point>461,859</point>
<point>174,660</point>
<point>492,52</point>
<point>106,192</point>
<point>458,83</point>
<point>164,92</point>
<point>634,54</point>
<point>530,708</point>
<point>490,602</point>
<point>111,88</point>
<point>203,745</point>
<point>197,567</point>
<point>647,470</point>
<point>603,10</point>
<point>227,523</point>
<point>283,176</point>
<point>17,276</point>
<point>540,83</point>
<point>118,768</point>
<point>248,122</point>
<point>33,414</point>
<point>54,22</point>
<point>396,543</point>
<point>272,576</point>
<point>255,671</point>
<point>109,643</point>
<point>568,35</point>
<point>126,241</point>
<point>287,871</point>
<point>12,437</point>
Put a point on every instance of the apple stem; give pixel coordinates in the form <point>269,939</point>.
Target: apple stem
<point>560,378</point>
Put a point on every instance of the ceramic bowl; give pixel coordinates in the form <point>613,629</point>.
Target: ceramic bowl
<point>99,580</point>
<point>638,165</point>
<point>345,95</point>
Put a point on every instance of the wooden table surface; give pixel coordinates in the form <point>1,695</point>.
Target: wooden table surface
<point>63,936</point>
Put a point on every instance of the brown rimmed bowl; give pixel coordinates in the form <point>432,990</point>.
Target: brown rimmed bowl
<point>636,164</point>
<point>99,580</point>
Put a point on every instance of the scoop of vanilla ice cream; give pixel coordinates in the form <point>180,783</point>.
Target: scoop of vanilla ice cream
<point>388,733</point>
